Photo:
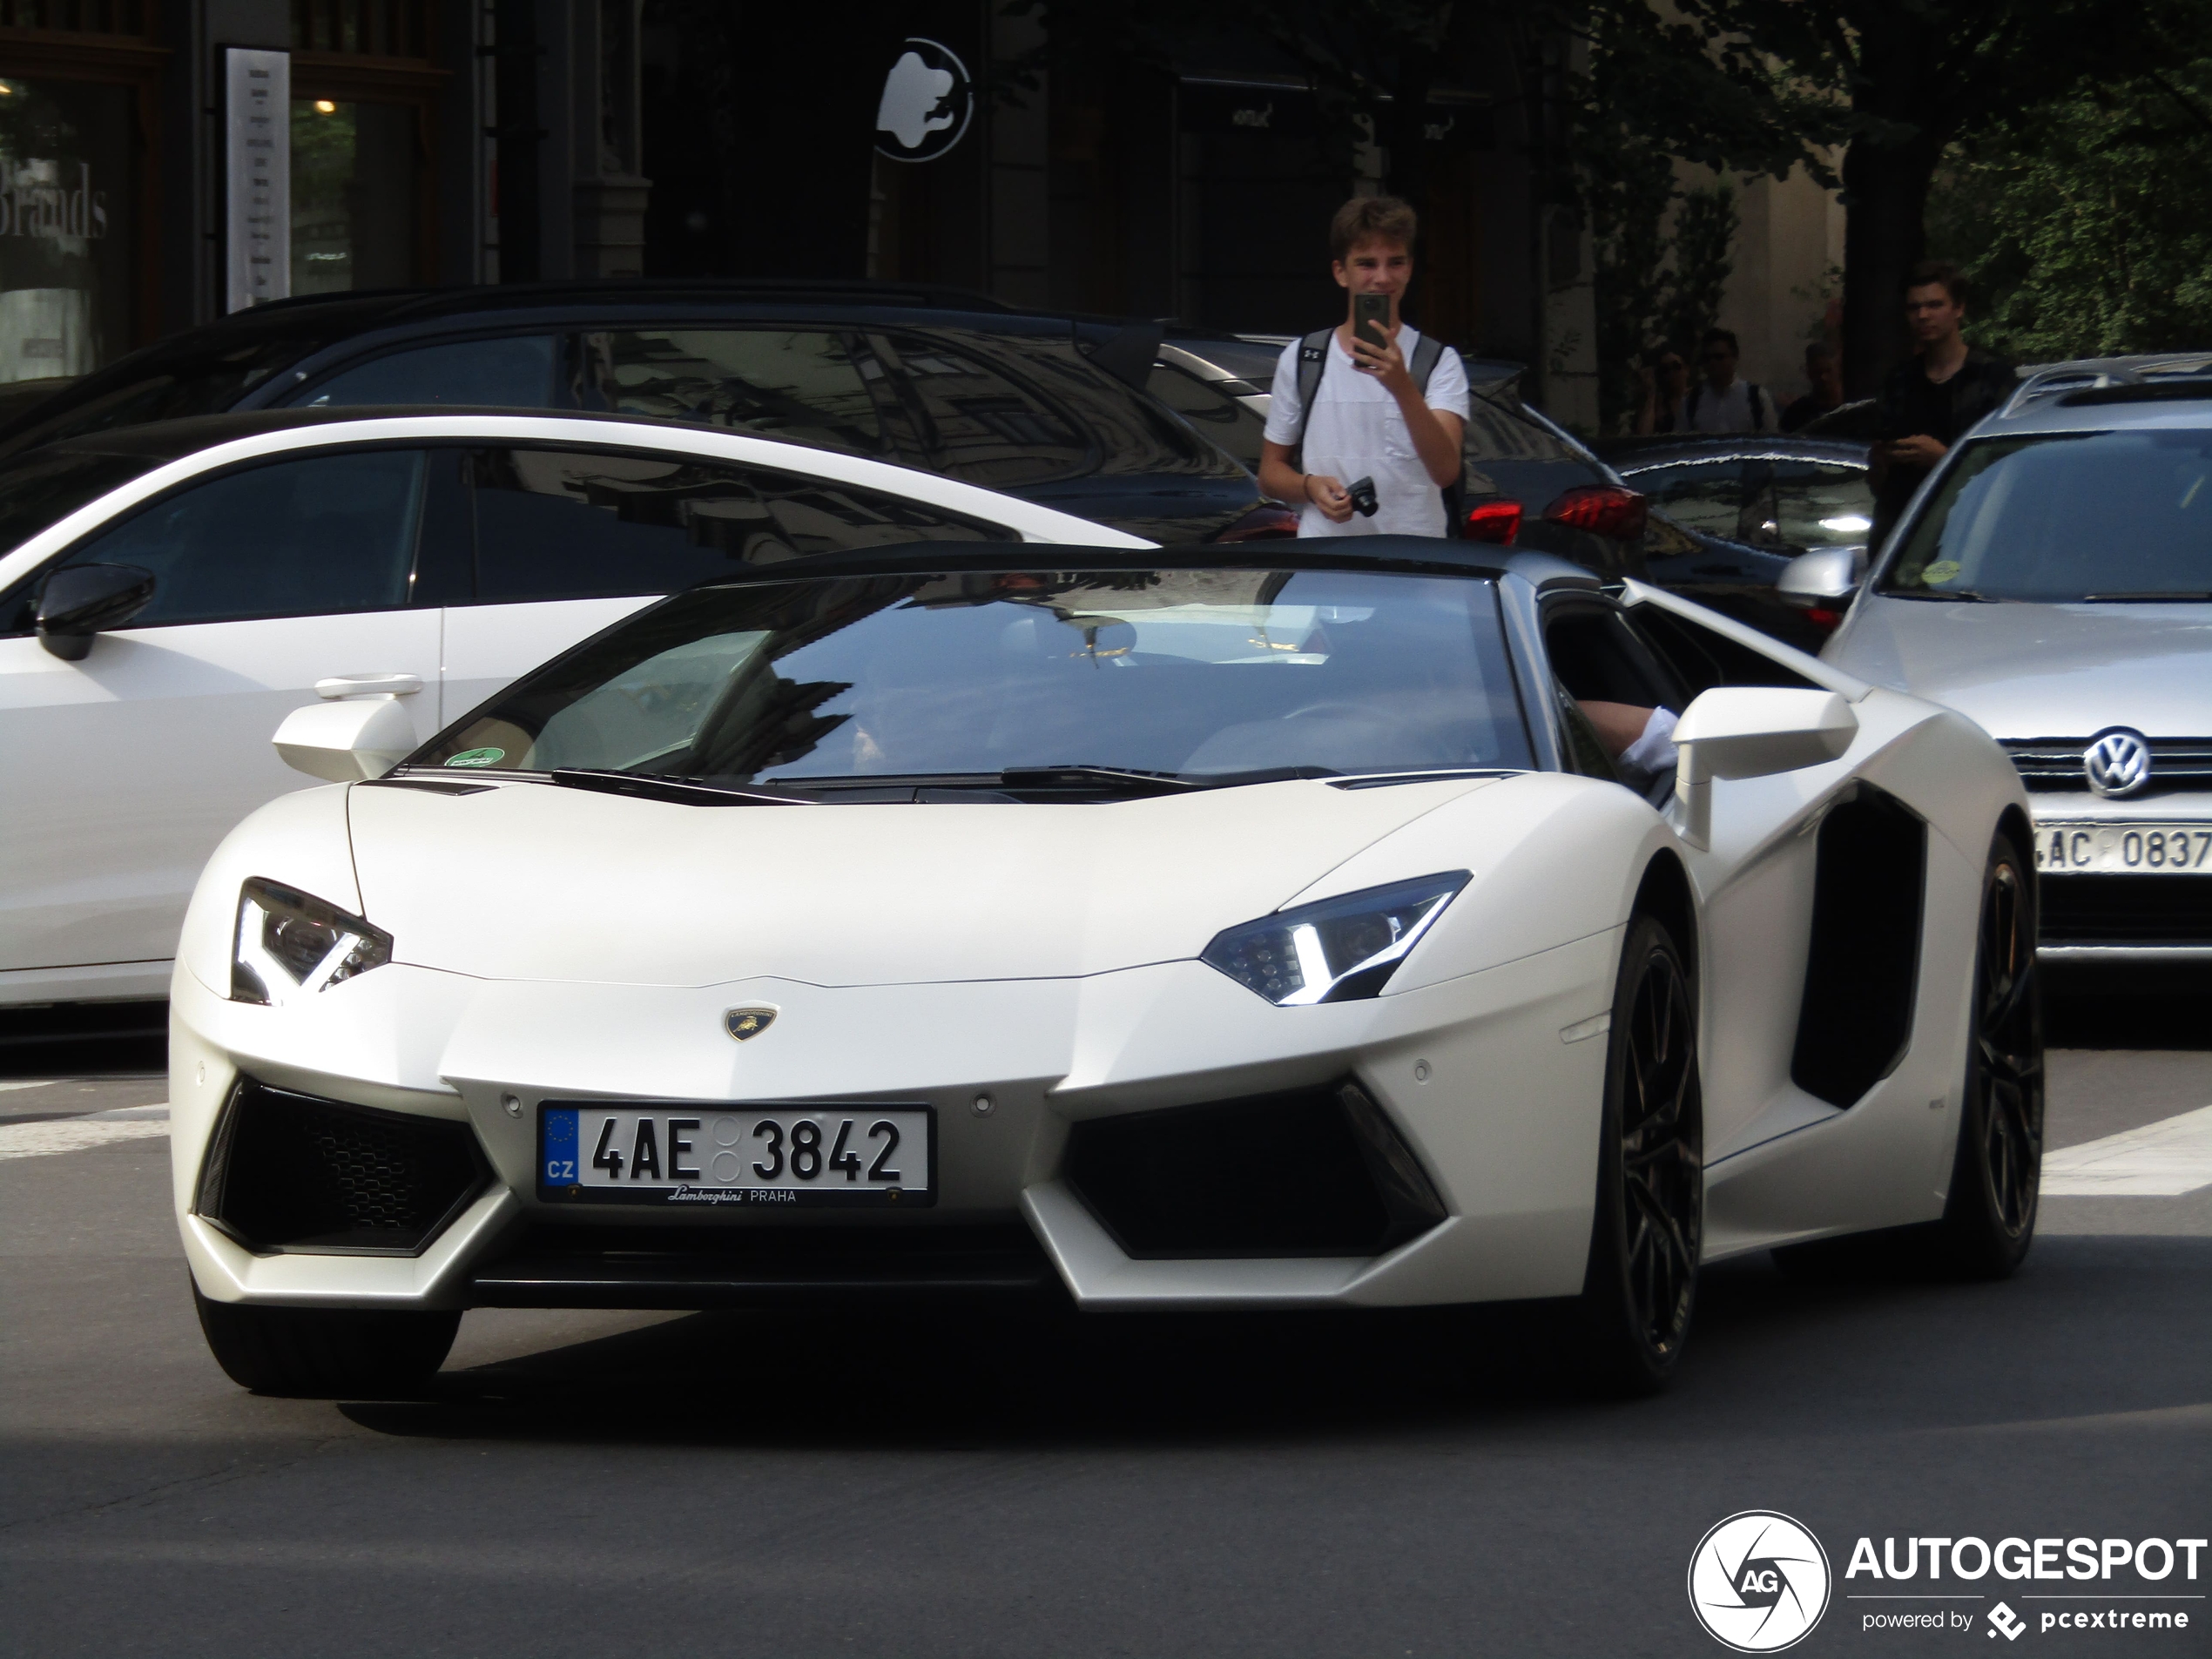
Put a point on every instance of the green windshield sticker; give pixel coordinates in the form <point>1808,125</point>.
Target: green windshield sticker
<point>1935,575</point>
<point>478,758</point>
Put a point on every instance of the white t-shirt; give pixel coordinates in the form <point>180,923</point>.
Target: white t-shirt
<point>1357,432</point>
<point>1703,409</point>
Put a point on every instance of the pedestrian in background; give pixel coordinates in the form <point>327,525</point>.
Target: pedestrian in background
<point>1664,382</point>
<point>1933,396</point>
<point>1343,410</point>
<point>1720,402</point>
<point>1826,377</point>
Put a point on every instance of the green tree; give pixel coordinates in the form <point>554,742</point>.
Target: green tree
<point>1910,79</point>
<point>2086,222</point>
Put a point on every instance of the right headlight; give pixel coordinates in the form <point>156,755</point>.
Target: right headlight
<point>289,944</point>
<point>1337,950</point>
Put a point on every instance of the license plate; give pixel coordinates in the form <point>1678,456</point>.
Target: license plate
<point>689,1155</point>
<point>2125,849</point>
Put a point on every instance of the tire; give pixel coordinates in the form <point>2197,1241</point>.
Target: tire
<point>1640,1286</point>
<point>325,1353</point>
<point>1989,1215</point>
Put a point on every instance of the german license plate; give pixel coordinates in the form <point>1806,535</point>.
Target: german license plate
<point>2124,849</point>
<point>689,1155</point>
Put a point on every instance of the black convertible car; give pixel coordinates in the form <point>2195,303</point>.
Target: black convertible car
<point>1047,407</point>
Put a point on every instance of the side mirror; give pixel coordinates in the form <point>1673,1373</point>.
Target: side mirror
<point>1827,577</point>
<point>81,600</point>
<point>1751,731</point>
<point>346,742</point>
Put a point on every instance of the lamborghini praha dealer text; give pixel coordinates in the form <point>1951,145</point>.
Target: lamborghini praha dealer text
<point>1367,923</point>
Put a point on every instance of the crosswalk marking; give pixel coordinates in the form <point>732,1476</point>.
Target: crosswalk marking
<point>2159,1160</point>
<point>74,1134</point>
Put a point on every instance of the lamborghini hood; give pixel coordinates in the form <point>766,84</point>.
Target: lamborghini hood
<point>534,882</point>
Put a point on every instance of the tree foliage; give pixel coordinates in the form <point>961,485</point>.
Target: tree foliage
<point>2086,221</point>
<point>1911,77</point>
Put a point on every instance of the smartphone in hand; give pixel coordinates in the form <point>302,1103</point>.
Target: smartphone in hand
<point>1371,319</point>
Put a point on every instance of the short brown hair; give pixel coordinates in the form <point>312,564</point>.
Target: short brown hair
<point>1932,271</point>
<point>1367,218</point>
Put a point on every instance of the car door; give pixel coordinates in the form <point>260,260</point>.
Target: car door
<point>1758,880</point>
<point>565,540</point>
<point>124,770</point>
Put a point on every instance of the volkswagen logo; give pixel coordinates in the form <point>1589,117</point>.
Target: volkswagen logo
<point>2117,762</point>
<point>745,1024</point>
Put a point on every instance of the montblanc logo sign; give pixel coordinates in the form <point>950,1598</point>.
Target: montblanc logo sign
<point>928,100</point>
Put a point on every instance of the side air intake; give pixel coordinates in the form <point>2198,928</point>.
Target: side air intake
<point>286,1172</point>
<point>1314,1172</point>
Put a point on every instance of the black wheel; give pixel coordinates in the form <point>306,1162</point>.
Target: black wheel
<point>1989,1218</point>
<point>1641,1284</point>
<point>325,1353</point>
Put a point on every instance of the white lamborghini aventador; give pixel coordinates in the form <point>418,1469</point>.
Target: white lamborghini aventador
<point>1301,924</point>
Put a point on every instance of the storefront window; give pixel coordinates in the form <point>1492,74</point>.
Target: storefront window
<point>352,195</point>
<point>66,236</point>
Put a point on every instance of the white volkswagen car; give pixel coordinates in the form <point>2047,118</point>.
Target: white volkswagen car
<point>174,591</point>
<point>2053,580</point>
<point>1173,929</point>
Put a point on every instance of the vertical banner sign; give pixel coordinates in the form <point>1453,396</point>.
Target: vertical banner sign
<point>257,153</point>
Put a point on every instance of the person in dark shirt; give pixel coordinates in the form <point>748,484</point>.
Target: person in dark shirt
<point>1933,396</point>
<point>1826,376</point>
<point>1664,382</point>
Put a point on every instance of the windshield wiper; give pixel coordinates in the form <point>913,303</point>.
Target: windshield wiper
<point>1134,781</point>
<point>1122,781</point>
<point>1074,778</point>
<point>684,791</point>
<point>2143,598</point>
<point>1967,594</point>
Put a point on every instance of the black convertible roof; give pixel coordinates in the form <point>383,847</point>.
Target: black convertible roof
<point>1410,555</point>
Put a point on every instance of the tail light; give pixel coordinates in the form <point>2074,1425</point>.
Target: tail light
<point>1497,520</point>
<point>1602,509</point>
<point>1269,522</point>
<point>1823,619</point>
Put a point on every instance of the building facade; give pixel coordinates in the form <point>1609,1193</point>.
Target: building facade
<point>164,161</point>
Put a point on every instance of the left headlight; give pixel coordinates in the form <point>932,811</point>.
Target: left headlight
<point>288,943</point>
<point>1335,951</point>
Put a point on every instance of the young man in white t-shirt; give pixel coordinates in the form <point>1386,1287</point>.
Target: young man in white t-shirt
<point>1369,418</point>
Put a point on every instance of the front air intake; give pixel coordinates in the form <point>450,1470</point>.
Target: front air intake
<point>1313,1172</point>
<point>291,1172</point>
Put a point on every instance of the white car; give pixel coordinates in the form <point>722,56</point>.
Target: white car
<point>1263,926</point>
<point>175,591</point>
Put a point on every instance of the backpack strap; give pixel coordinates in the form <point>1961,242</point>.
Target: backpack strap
<point>1689,406</point>
<point>1312,359</point>
<point>1758,401</point>
<point>1426,357</point>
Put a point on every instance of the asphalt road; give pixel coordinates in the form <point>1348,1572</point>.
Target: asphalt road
<point>1388,1485</point>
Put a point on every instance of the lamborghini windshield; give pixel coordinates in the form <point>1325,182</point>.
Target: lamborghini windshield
<point>1208,676</point>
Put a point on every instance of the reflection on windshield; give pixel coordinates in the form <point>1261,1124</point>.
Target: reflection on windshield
<point>1192,673</point>
<point>2063,517</point>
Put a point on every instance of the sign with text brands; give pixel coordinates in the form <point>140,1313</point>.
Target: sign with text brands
<point>257,160</point>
